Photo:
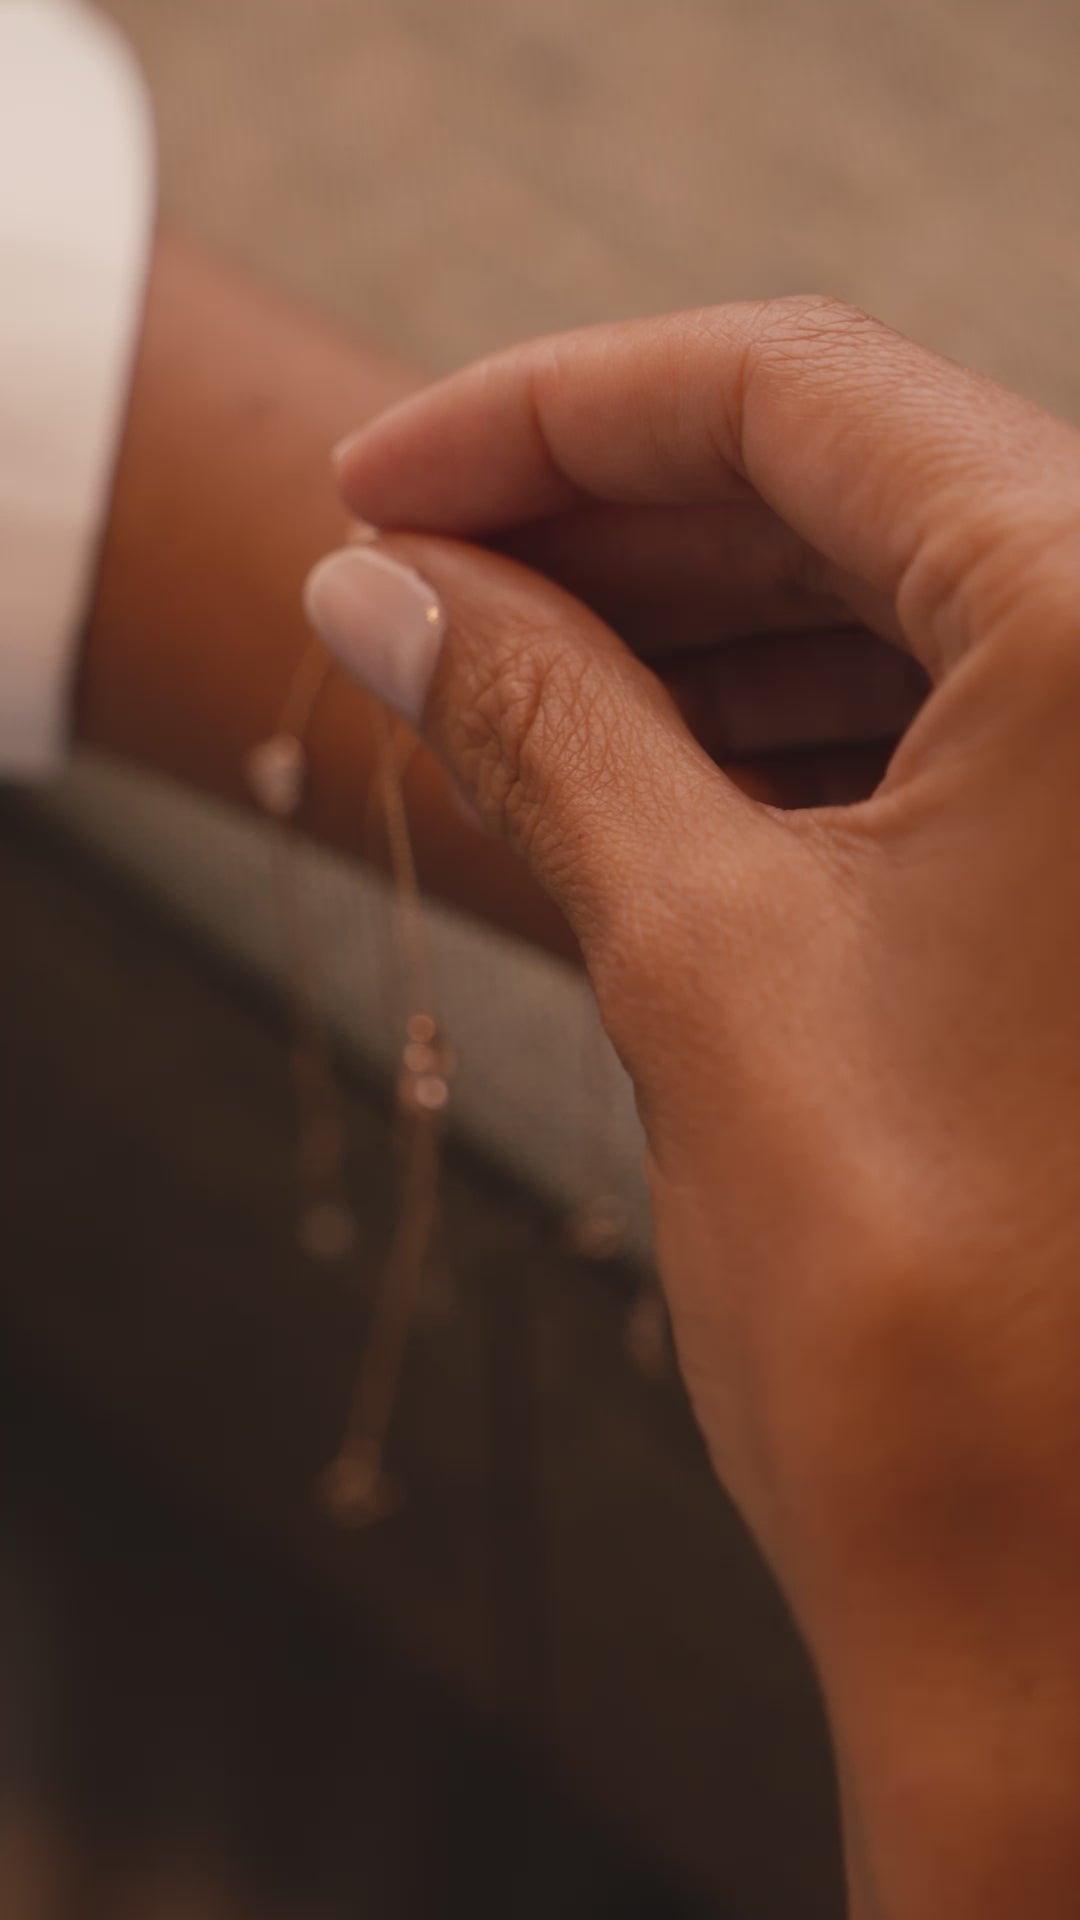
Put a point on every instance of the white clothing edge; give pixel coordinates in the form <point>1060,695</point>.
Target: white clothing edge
<point>76,211</point>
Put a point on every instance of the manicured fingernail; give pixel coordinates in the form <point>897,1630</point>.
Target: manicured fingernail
<point>383,622</point>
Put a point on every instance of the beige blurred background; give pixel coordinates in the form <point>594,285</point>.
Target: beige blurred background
<point>449,175</point>
<point>452,174</point>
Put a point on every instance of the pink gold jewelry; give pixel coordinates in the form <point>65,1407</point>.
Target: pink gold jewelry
<point>596,1229</point>
<point>354,1489</point>
<point>277,774</point>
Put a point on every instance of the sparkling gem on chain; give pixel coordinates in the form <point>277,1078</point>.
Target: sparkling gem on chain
<point>431,1092</point>
<point>276,773</point>
<point>645,1334</point>
<point>427,1066</point>
<point>597,1229</point>
<point>353,1490</point>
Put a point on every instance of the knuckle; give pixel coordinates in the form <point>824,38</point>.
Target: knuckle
<point>820,342</point>
<point>810,332</point>
<point>807,340</point>
<point>813,318</point>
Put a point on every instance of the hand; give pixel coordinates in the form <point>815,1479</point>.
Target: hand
<point>853,1032</point>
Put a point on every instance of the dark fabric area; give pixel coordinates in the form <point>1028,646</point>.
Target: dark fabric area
<point>557,1680</point>
<point>186,1729</point>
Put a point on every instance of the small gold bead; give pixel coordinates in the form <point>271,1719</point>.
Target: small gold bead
<point>276,773</point>
<point>597,1230</point>
<point>353,1491</point>
<point>327,1230</point>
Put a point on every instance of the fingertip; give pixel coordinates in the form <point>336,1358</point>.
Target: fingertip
<point>383,623</point>
<point>364,463</point>
<point>454,458</point>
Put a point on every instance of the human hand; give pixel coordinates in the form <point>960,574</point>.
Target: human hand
<point>854,1032</point>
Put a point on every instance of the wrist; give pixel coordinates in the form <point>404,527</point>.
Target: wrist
<point>960,1782</point>
<point>929,1539</point>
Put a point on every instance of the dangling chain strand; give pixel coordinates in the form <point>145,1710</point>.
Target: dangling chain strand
<point>277,773</point>
<point>354,1488</point>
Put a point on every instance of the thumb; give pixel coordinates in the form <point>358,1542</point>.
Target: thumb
<point>563,741</point>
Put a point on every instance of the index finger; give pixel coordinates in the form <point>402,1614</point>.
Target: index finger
<point>895,464</point>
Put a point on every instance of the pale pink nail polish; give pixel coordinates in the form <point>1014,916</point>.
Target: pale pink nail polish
<point>381,620</point>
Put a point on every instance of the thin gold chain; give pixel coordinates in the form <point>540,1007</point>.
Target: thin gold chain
<point>354,1488</point>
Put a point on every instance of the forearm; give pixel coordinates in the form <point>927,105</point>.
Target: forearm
<point>223,498</point>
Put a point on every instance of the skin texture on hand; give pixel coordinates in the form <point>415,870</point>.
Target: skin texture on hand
<point>853,1031</point>
<point>223,498</point>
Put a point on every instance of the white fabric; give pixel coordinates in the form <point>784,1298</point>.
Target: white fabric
<point>76,195</point>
